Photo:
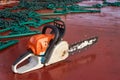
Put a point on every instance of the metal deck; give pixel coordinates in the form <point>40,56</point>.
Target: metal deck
<point>99,62</point>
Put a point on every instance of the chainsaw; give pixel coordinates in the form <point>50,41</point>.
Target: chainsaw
<point>48,48</point>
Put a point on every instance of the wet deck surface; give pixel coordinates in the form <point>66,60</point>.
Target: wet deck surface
<point>99,62</point>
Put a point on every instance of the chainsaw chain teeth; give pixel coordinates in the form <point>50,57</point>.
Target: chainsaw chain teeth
<point>81,45</point>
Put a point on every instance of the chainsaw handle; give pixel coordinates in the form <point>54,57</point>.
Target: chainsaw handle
<point>55,31</point>
<point>48,52</point>
<point>58,24</point>
<point>20,60</point>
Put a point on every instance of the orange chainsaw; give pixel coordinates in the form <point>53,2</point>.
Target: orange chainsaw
<point>48,48</point>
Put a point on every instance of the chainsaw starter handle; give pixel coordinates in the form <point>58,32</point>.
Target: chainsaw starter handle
<point>48,52</point>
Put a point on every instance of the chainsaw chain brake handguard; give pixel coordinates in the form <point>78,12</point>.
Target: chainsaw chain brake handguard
<point>58,29</point>
<point>55,49</point>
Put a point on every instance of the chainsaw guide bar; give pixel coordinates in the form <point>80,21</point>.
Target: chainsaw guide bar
<point>82,44</point>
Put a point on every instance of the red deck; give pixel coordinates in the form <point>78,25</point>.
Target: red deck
<point>99,62</point>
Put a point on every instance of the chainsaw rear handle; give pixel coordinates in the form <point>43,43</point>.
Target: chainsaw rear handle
<point>22,58</point>
<point>48,52</point>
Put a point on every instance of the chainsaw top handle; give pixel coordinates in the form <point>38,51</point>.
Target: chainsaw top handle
<point>54,31</point>
<point>60,25</point>
<point>58,29</point>
<point>52,43</point>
